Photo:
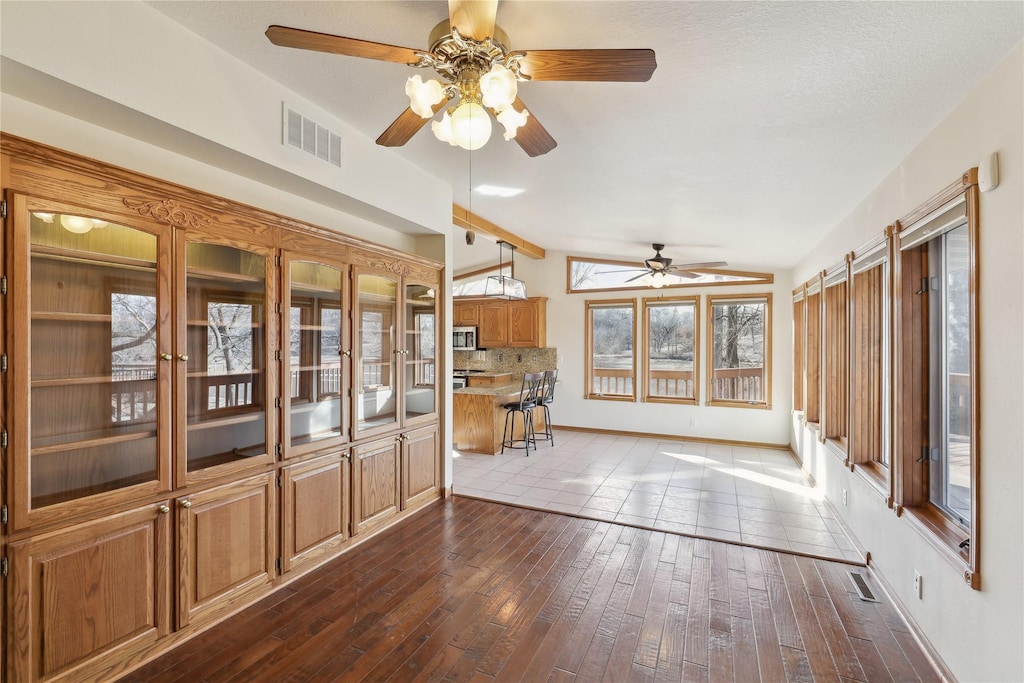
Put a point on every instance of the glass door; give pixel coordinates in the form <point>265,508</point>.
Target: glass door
<point>375,404</point>
<point>96,412</point>
<point>419,353</point>
<point>225,337</point>
<point>317,372</point>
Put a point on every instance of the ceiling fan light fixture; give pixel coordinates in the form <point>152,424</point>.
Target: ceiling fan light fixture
<point>498,88</point>
<point>470,126</point>
<point>443,129</point>
<point>423,96</point>
<point>512,120</point>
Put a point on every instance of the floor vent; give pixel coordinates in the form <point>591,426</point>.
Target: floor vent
<point>309,136</point>
<point>862,587</point>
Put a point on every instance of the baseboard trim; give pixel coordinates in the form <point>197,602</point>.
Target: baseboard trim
<point>675,437</point>
<point>929,651</point>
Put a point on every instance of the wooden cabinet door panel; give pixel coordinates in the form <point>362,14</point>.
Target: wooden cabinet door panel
<point>99,591</point>
<point>315,502</point>
<point>225,547</point>
<point>522,323</point>
<point>421,467</point>
<point>375,484</point>
<point>465,313</point>
<point>493,331</point>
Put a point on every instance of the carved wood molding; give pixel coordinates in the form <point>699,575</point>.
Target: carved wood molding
<point>396,267</point>
<point>169,211</point>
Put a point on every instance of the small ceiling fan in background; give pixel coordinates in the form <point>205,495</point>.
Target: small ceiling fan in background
<point>658,266</point>
<point>472,56</point>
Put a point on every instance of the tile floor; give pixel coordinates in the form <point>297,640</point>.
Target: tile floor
<point>755,496</point>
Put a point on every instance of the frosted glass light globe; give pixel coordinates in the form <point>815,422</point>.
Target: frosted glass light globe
<point>76,224</point>
<point>471,126</point>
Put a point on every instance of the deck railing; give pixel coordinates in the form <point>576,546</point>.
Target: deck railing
<point>737,384</point>
<point>671,384</point>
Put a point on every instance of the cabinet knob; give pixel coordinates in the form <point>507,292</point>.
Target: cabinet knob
<point>163,509</point>
<point>166,356</point>
<point>186,503</point>
<point>182,356</point>
<point>347,353</point>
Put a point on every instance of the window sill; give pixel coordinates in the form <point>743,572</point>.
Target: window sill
<point>945,537</point>
<point>837,448</point>
<point>739,404</point>
<point>666,399</point>
<point>877,477</point>
<point>609,397</point>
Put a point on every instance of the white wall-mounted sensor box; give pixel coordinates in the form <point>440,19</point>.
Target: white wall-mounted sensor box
<point>988,172</point>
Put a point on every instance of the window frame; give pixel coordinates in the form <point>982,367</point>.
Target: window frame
<point>912,234</point>
<point>649,303</point>
<point>835,357</point>
<point>591,306</point>
<point>798,339</point>
<point>766,392</point>
<point>812,350</point>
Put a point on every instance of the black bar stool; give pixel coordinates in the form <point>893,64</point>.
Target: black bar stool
<point>529,398</point>
<point>547,397</point>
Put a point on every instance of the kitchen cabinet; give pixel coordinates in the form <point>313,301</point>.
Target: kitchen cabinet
<point>465,314</point>
<point>376,497</point>
<point>513,323</point>
<point>314,510</point>
<point>421,466</point>
<point>98,588</point>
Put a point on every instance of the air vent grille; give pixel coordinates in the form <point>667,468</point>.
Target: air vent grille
<point>309,136</point>
<point>863,590</point>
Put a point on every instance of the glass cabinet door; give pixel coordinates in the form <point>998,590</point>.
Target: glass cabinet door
<point>226,356</point>
<point>97,316</point>
<point>418,385</point>
<point>375,319</point>
<point>316,377</point>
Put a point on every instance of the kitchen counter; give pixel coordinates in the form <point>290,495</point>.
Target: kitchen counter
<point>479,419</point>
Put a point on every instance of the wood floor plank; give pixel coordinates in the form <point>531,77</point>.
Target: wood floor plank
<point>477,592</point>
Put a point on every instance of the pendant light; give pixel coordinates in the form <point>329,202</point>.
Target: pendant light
<point>503,286</point>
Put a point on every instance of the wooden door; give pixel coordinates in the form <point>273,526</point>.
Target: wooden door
<point>465,313</point>
<point>226,547</point>
<point>375,484</point>
<point>314,510</point>
<point>523,324</point>
<point>493,332</point>
<point>421,466</point>
<point>93,595</point>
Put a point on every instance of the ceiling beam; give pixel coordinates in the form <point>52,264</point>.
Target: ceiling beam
<point>464,218</point>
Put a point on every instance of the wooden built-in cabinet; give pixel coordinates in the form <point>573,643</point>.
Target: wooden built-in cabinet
<point>503,323</point>
<point>188,379</point>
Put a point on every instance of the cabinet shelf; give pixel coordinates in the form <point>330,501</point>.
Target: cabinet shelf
<point>72,316</point>
<point>60,444</point>
<point>87,380</point>
<point>217,422</point>
<point>91,258</point>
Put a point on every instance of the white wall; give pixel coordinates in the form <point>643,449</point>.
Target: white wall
<point>566,329</point>
<point>978,634</point>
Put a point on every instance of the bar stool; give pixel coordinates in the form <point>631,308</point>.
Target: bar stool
<point>547,397</point>
<point>529,398</point>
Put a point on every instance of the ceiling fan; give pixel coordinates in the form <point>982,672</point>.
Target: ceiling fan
<point>658,266</point>
<point>471,55</point>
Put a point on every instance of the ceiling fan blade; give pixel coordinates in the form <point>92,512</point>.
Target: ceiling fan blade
<point>405,126</point>
<point>643,274</point>
<point>704,264</point>
<point>533,137</point>
<point>339,45</point>
<point>588,65</point>
<point>685,274</point>
<point>473,18</point>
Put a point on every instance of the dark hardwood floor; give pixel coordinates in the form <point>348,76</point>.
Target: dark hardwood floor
<point>469,590</point>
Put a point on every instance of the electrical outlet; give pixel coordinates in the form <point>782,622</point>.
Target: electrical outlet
<point>917,585</point>
<point>844,496</point>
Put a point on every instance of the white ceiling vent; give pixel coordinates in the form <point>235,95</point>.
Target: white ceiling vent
<point>311,137</point>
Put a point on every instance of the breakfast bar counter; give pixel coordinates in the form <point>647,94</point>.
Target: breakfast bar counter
<point>479,419</point>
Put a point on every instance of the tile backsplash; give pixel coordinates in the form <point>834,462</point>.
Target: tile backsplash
<point>514,360</point>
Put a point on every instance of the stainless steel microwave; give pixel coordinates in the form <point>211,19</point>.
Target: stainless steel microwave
<point>464,338</point>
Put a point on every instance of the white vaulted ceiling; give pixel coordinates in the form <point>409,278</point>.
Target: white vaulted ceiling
<point>763,125</point>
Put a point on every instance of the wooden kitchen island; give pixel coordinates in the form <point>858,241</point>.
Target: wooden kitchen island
<point>479,418</point>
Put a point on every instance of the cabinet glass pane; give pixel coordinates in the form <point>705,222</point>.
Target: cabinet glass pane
<point>418,354</point>
<point>93,341</point>
<point>314,361</point>
<point>225,300</point>
<point>377,304</point>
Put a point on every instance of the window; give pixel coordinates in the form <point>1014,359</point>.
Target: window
<point>812,352</point>
<point>936,370</point>
<point>868,444</point>
<point>671,362</point>
<point>740,358</point>
<point>798,348</point>
<point>610,351</point>
<point>423,348</point>
<point>595,275</point>
<point>836,360</point>
<point>133,323</point>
